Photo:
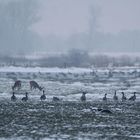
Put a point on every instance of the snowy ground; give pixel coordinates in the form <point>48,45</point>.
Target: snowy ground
<point>70,119</point>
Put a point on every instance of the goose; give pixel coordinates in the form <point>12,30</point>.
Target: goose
<point>115,97</point>
<point>101,110</point>
<point>13,97</point>
<point>83,97</point>
<point>43,97</point>
<point>55,99</point>
<point>105,98</point>
<point>123,97</point>
<point>25,98</point>
<point>133,98</point>
<point>106,111</point>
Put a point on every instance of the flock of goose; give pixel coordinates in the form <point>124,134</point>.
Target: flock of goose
<point>35,85</point>
<point>42,97</point>
<point>14,98</point>
<point>115,97</point>
<point>82,98</point>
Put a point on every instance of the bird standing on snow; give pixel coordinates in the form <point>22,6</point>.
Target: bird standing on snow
<point>13,97</point>
<point>25,98</point>
<point>43,97</point>
<point>123,97</point>
<point>115,97</point>
<point>83,97</point>
<point>105,98</point>
<point>55,99</point>
<point>133,98</point>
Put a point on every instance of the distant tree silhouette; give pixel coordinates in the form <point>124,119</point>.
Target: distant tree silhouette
<point>16,19</point>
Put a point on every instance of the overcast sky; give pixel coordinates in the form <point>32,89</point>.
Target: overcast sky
<point>65,17</point>
<point>65,24</point>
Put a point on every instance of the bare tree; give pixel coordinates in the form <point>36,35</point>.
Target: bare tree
<point>16,19</point>
<point>93,25</point>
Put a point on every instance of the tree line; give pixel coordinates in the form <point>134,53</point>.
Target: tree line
<point>73,58</point>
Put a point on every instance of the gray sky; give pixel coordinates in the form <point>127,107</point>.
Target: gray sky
<point>65,17</point>
<point>64,24</point>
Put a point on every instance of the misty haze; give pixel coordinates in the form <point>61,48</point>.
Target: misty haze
<point>69,69</point>
<point>50,30</point>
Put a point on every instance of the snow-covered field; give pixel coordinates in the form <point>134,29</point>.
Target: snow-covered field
<point>70,118</point>
<point>69,83</point>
